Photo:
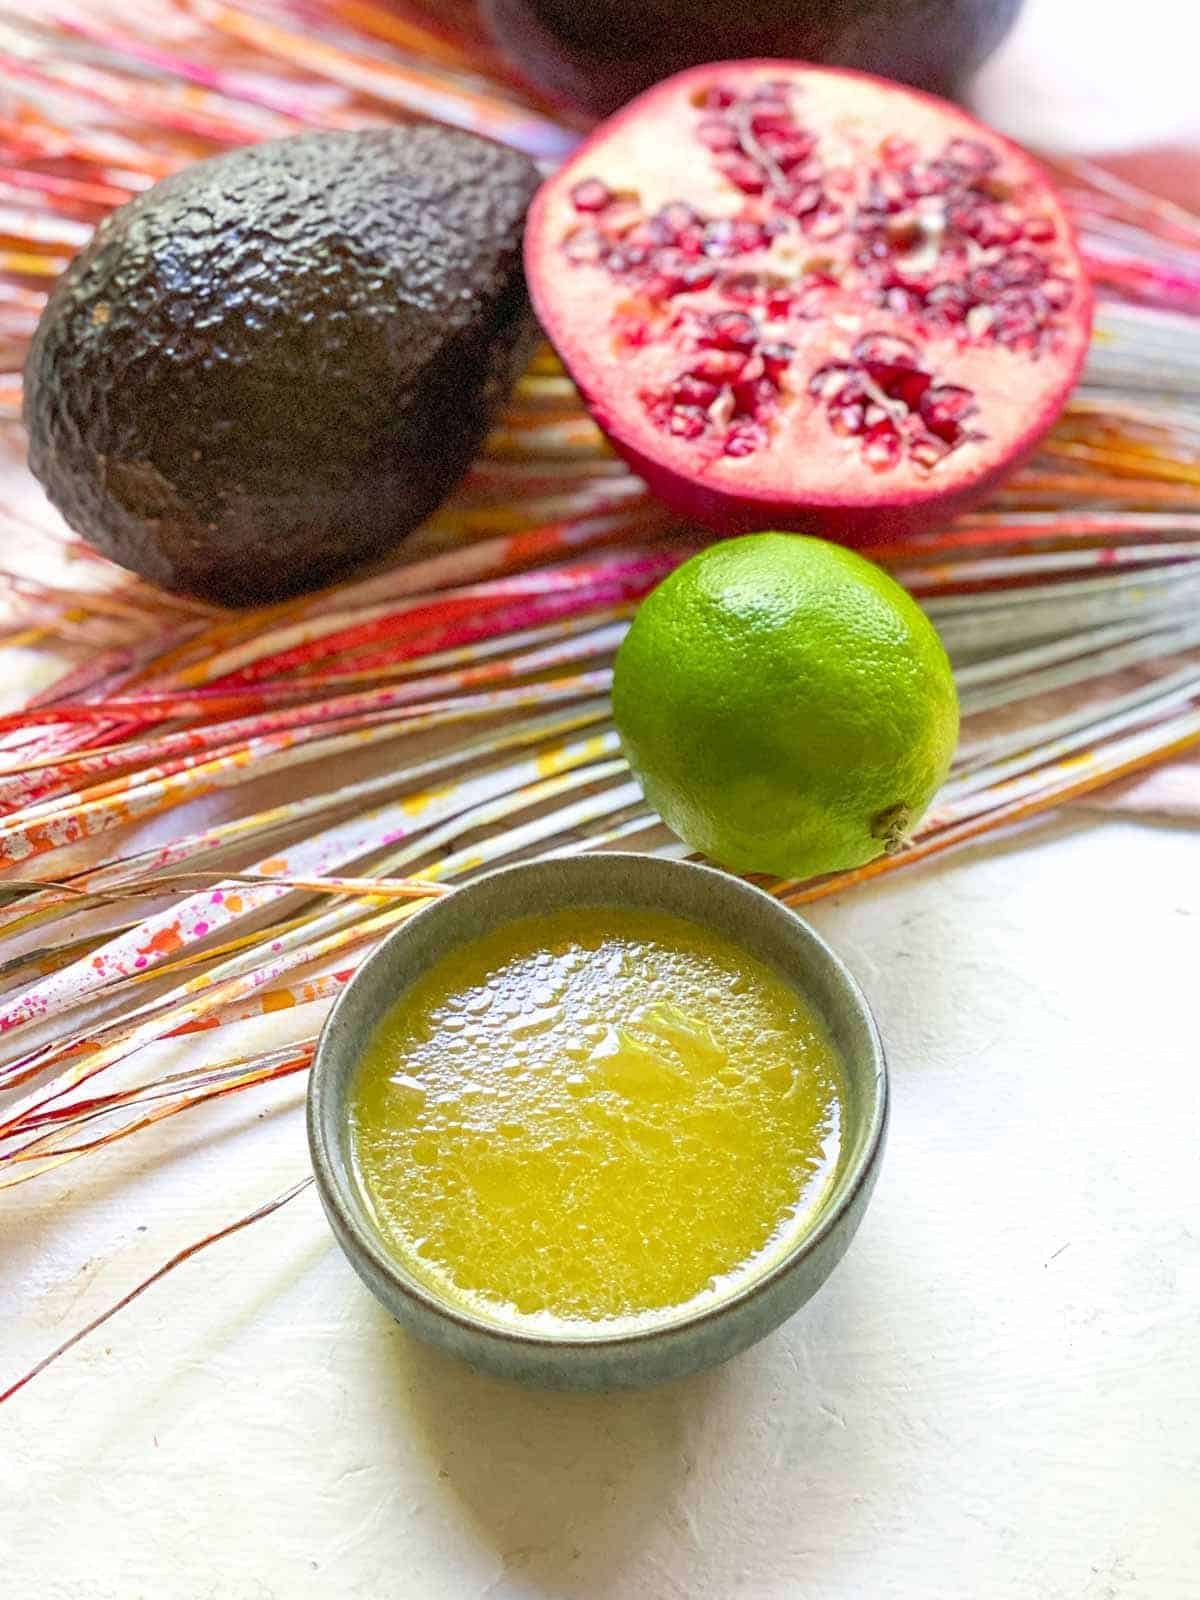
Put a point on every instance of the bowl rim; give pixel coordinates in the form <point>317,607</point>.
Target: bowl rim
<point>336,1184</point>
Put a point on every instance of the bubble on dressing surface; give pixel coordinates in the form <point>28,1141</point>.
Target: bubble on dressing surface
<point>638,1110</point>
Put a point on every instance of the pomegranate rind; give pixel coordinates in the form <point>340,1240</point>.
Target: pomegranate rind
<point>793,469</point>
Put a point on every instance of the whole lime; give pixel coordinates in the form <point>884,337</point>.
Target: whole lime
<point>787,707</point>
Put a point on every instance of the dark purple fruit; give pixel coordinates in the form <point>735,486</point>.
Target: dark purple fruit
<point>599,54</point>
<point>276,363</point>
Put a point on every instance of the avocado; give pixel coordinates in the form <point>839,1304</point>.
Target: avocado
<point>277,362</point>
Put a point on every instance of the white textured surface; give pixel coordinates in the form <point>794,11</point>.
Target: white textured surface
<point>997,1395</point>
<point>1094,75</point>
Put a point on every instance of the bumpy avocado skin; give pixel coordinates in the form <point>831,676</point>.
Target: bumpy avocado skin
<point>277,362</point>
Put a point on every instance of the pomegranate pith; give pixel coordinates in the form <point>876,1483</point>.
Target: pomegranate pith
<point>807,298</point>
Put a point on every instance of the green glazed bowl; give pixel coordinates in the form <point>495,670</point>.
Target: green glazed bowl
<point>670,1348</point>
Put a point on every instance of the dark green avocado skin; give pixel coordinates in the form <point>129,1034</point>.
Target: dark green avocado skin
<point>276,363</point>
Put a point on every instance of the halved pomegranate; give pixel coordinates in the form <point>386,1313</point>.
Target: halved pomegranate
<point>806,298</point>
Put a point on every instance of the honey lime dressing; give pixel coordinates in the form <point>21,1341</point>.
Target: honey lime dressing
<point>594,1114</point>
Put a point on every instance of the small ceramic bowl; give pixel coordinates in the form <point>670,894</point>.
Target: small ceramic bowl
<point>693,1340</point>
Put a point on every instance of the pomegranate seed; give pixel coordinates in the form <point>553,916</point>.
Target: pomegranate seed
<point>825,222</point>
<point>948,178</point>
<point>586,246</point>
<point>591,195</point>
<point>776,357</point>
<point>744,174</point>
<point>944,408</point>
<point>887,358</point>
<point>990,228</point>
<point>675,217</point>
<point>927,450</point>
<point>748,236</point>
<point>698,275</point>
<point>1057,293</point>
<point>768,121</point>
<point>985,283</point>
<point>718,237</point>
<point>848,419</point>
<point>687,422</point>
<point>898,300</point>
<point>1039,230</point>
<point>669,278</point>
<point>885,352</point>
<point>971,154</point>
<point>888,192</point>
<point>779,305</point>
<point>873,253</point>
<point>881,446</point>
<point>833,381</point>
<point>788,149</point>
<point>731,330</point>
<point>1020,268</point>
<point>691,390</point>
<point>1016,334</point>
<point>745,439</point>
<point>963,217</point>
<point>1017,321</point>
<point>719,366</point>
<point>924,179</point>
<point>908,387</point>
<point>756,398</point>
<point>625,258</point>
<point>949,302</point>
<point>658,407</point>
<point>805,199</point>
<point>716,135</point>
<point>649,234</point>
<point>670,266</point>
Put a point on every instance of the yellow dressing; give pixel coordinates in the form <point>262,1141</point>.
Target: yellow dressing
<point>594,1114</point>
